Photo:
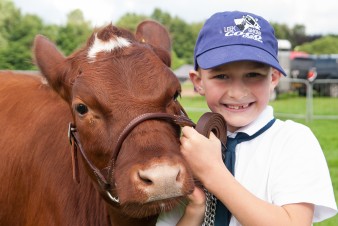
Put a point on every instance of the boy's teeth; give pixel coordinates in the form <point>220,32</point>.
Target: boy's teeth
<point>236,107</point>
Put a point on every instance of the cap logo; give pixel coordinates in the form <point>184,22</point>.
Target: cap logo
<point>247,22</point>
<point>246,27</point>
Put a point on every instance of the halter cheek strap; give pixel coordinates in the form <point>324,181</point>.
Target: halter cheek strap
<point>209,122</point>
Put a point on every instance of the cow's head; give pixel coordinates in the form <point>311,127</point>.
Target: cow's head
<point>115,78</point>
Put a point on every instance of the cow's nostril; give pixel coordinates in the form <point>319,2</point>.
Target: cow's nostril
<point>161,181</point>
<point>160,175</point>
<point>144,178</point>
<point>178,177</point>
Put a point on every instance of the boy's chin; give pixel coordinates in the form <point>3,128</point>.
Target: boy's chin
<point>235,123</point>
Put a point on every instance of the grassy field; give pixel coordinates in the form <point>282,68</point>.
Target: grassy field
<point>325,130</point>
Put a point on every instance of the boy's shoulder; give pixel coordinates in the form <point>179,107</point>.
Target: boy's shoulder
<point>294,132</point>
<point>291,126</point>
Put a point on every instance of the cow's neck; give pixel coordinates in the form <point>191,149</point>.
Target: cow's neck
<point>117,218</point>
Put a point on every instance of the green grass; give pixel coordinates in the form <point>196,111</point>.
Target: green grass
<point>289,103</point>
<point>326,130</point>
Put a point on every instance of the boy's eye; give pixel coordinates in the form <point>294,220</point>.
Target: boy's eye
<point>221,76</point>
<point>252,75</point>
<point>255,75</point>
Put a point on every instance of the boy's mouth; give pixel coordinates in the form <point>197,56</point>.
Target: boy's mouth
<point>237,107</point>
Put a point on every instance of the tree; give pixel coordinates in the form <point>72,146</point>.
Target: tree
<point>19,32</point>
<point>282,31</point>
<point>130,21</point>
<point>161,17</point>
<point>324,45</point>
<point>8,20</point>
<point>74,34</point>
<point>182,35</point>
<point>184,39</point>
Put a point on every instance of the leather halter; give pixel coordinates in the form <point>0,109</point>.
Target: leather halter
<point>209,122</point>
<point>105,183</point>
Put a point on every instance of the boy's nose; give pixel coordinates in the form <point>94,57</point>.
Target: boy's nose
<point>238,90</point>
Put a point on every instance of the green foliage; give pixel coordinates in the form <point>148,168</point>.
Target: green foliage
<point>324,45</point>
<point>74,34</point>
<point>175,61</point>
<point>130,21</point>
<point>184,39</point>
<point>20,32</point>
<point>76,17</point>
<point>7,10</point>
<point>182,34</point>
<point>16,56</point>
<point>296,35</point>
<point>162,17</point>
<point>282,31</point>
<point>17,32</point>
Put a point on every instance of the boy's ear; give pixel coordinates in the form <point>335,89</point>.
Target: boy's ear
<point>196,79</point>
<point>275,77</point>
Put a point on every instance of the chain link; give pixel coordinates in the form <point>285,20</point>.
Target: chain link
<point>210,211</point>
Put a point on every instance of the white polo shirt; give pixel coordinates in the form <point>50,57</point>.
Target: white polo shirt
<point>284,165</point>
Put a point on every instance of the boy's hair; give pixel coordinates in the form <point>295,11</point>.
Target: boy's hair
<point>236,36</point>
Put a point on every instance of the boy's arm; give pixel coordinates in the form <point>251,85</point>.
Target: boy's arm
<point>204,158</point>
<point>250,210</point>
<point>194,211</point>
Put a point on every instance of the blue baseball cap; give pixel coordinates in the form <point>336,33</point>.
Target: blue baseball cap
<point>236,36</point>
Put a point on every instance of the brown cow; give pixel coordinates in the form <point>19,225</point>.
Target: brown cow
<point>101,88</point>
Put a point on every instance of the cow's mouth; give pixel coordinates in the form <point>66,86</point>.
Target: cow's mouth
<point>141,210</point>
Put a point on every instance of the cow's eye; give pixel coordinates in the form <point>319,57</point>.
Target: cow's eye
<point>81,109</point>
<point>176,95</point>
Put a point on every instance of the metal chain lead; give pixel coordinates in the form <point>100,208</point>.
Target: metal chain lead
<point>210,203</point>
<point>210,211</point>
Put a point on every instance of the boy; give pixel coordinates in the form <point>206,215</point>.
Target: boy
<point>278,176</point>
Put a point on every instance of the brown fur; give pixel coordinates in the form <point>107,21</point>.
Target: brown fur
<point>35,170</point>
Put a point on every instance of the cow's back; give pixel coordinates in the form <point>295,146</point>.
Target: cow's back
<point>35,169</point>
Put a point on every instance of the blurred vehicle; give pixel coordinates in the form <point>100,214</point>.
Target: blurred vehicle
<point>312,68</point>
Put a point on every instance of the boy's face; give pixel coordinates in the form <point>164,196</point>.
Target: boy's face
<point>239,91</point>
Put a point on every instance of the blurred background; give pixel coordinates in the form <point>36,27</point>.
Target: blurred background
<point>307,33</point>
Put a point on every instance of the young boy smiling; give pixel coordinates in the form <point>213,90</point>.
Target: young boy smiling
<point>277,174</point>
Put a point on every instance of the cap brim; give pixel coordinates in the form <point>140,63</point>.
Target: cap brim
<point>227,54</point>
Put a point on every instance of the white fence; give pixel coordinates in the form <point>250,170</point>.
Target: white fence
<point>309,92</point>
<point>331,85</point>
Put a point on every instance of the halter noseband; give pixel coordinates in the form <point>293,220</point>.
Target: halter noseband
<point>209,122</point>
<point>106,182</point>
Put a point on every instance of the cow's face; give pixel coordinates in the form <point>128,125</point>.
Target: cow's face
<point>109,82</point>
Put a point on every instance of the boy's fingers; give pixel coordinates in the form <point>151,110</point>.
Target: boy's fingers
<point>188,131</point>
<point>212,136</point>
<point>197,197</point>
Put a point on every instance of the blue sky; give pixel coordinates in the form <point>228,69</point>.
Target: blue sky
<point>319,17</point>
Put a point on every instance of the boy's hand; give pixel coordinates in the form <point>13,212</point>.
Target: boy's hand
<point>197,198</point>
<point>194,212</point>
<point>203,154</point>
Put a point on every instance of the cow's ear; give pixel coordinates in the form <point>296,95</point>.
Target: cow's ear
<point>51,63</point>
<point>155,34</point>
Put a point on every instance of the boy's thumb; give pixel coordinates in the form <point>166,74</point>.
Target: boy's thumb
<point>212,136</point>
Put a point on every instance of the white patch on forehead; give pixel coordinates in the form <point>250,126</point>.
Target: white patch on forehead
<point>106,46</point>
<point>44,81</point>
